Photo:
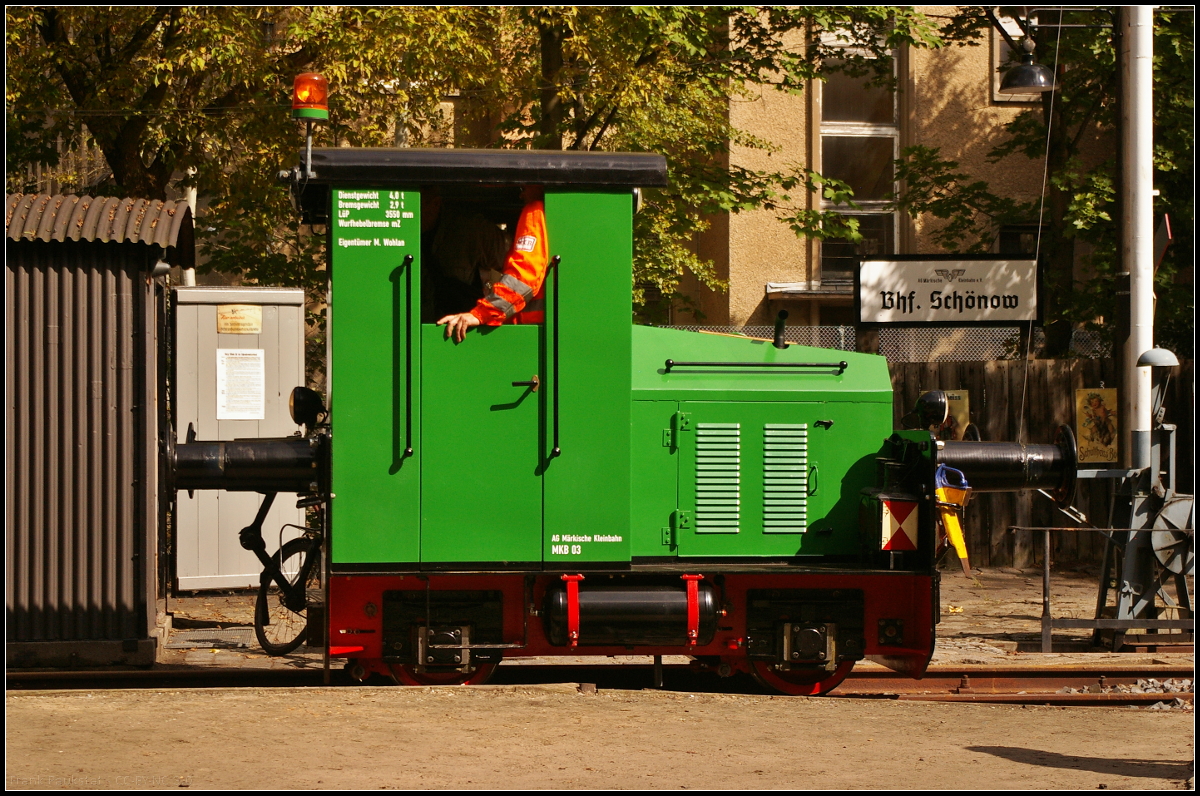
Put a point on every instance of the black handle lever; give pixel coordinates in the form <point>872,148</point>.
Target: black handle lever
<point>839,366</point>
<point>533,383</point>
<point>251,537</point>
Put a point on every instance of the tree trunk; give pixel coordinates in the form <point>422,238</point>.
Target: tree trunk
<point>1057,250</point>
<point>130,173</point>
<point>552,34</point>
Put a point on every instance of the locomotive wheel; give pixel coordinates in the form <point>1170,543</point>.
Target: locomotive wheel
<point>404,675</point>
<point>799,683</point>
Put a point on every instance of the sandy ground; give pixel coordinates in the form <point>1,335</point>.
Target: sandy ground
<point>553,736</point>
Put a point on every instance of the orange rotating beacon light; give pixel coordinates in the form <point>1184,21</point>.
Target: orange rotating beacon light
<point>310,102</point>
<point>310,97</point>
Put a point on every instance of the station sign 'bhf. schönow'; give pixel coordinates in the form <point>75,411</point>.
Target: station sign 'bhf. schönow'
<point>958,292</point>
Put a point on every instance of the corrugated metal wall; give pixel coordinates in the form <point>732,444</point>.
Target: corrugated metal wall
<point>81,459</point>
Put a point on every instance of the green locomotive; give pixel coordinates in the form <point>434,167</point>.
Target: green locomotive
<point>584,485</point>
<point>660,471</point>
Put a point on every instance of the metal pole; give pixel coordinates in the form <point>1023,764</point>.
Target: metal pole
<point>1137,586</point>
<point>189,274</point>
<point>1047,641</point>
<point>308,138</point>
<point>1137,220</point>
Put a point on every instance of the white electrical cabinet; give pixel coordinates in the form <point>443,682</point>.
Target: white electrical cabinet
<point>239,351</point>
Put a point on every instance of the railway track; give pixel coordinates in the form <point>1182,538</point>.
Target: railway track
<point>1087,685</point>
<point>1075,685</point>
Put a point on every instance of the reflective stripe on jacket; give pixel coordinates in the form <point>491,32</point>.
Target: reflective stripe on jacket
<point>517,296</point>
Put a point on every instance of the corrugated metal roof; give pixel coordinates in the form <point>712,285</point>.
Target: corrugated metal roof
<point>30,217</point>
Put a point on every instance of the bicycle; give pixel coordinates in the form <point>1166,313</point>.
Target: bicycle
<point>290,580</point>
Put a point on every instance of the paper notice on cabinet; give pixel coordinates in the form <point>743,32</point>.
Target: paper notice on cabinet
<point>241,384</point>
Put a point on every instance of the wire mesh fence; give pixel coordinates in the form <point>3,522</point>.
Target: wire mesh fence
<point>952,344</point>
<point>980,344</point>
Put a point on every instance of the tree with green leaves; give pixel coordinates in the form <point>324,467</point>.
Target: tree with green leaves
<point>662,79</point>
<point>178,96</point>
<point>198,95</point>
<point>1080,206</point>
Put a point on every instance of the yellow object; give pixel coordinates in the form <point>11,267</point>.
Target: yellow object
<point>950,506</point>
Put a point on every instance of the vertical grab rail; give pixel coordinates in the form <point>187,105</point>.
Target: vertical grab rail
<point>555,451</point>
<point>398,454</point>
<point>408,336</point>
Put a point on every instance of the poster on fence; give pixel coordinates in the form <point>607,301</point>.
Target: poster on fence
<point>959,402</point>
<point>1096,425</point>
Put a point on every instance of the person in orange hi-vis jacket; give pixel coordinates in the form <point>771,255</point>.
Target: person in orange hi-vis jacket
<point>517,296</point>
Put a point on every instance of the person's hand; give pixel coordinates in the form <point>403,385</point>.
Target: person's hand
<point>457,325</point>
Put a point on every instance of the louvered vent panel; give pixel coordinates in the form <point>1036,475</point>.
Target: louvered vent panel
<point>718,477</point>
<point>785,478</point>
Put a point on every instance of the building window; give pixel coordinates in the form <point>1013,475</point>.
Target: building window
<point>860,138</point>
<point>864,162</point>
<point>849,99</point>
<point>839,258</point>
<point>1018,239</point>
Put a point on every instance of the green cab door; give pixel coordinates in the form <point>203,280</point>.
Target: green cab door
<point>481,486</point>
<point>492,490</point>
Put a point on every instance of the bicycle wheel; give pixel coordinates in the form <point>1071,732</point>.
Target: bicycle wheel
<point>279,628</point>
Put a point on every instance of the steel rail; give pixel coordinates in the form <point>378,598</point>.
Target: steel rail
<point>1030,685</point>
<point>1091,684</point>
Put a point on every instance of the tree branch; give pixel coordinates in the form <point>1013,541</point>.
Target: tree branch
<point>142,34</point>
<point>647,55</point>
<point>1087,117</point>
<point>604,127</point>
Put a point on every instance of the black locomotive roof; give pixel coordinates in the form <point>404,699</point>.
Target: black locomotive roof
<point>406,166</point>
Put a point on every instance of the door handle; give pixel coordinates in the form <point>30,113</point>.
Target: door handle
<point>533,383</point>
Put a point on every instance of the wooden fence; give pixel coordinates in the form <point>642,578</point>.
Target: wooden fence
<point>1041,394</point>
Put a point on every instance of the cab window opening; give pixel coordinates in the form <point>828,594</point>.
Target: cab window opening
<point>466,235</point>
